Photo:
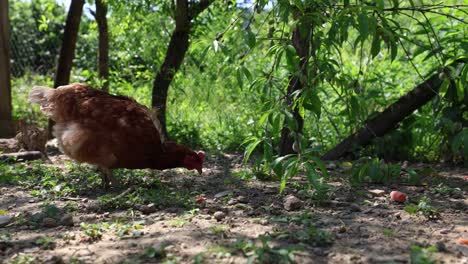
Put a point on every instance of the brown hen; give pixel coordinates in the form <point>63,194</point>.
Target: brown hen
<point>109,131</point>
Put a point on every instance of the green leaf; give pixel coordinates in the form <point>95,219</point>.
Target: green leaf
<point>264,117</point>
<point>239,78</point>
<point>393,50</point>
<point>312,103</point>
<point>247,73</point>
<point>444,86</point>
<point>290,121</point>
<point>411,209</point>
<point>250,38</point>
<point>375,49</point>
<point>380,5</point>
<point>319,163</point>
<point>250,148</point>
<point>363,25</point>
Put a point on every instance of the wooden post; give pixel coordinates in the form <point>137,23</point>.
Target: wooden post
<point>6,123</point>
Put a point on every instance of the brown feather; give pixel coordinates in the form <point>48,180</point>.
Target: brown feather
<point>107,130</point>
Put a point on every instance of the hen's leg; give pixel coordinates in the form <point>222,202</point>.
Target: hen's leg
<point>108,178</point>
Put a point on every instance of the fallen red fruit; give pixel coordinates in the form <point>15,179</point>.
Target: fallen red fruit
<point>463,241</point>
<point>201,200</point>
<point>398,196</point>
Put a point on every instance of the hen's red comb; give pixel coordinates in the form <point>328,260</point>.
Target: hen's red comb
<point>201,154</point>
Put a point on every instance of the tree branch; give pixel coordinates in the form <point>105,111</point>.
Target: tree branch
<point>198,7</point>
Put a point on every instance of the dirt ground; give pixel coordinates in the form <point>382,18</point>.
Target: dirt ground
<point>233,220</point>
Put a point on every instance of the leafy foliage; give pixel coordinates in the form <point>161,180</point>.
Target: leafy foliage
<point>231,92</point>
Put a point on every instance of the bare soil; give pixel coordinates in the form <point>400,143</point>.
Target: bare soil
<point>231,216</point>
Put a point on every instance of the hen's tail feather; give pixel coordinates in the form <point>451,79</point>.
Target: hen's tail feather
<point>40,94</point>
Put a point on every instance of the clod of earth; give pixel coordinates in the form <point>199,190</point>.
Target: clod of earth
<point>219,215</point>
<point>292,203</point>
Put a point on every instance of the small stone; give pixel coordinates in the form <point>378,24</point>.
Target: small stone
<point>106,214</point>
<point>331,166</point>
<point>219,215</point>
<point>49,222</point>
<point>11,206</point>
<point>397,215</point>
<point>32,201</point>
<point>354,207</point>
<point>207,217</point>
<point>85,200</point>
<point>441,246</point>
<point>232,202</point>
<point>444,231</point>
<point>320,252</point>
<point>53,260</point>
<point>222,194</point>
<point>5,220</point>
<point>263,221</point>
<point>242,199</point>
<point>342,229</point>
<point>377,192</point>
<point>133,244</point>
<point>67,220</point>
<point>292,203</point>
<point>148,209</point>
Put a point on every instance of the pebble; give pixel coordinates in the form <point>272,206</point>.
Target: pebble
<point>354,207</point>
<point>133,244</point>
<point>67,220</point>
<point>331,166</point>
<point>49,222</point>
<point>242,199</point>
<point>53,260</point>
<point>222,194</point>
<point>219,215</point>
<point>148,209</point>
<point>444,231</point>
<point>292,203</point>
<point>232,202</point>
<point>377,192</point>
<point>5,220</point>
<point>441,246</point>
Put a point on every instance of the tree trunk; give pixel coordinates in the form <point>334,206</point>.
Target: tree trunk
<point>70,36</point>
<point>103,53</point>
<point>6,123</point>
<point>178,46</point>
<point>388,119</point>
<point>67,51</point>
<point>301,42</point>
